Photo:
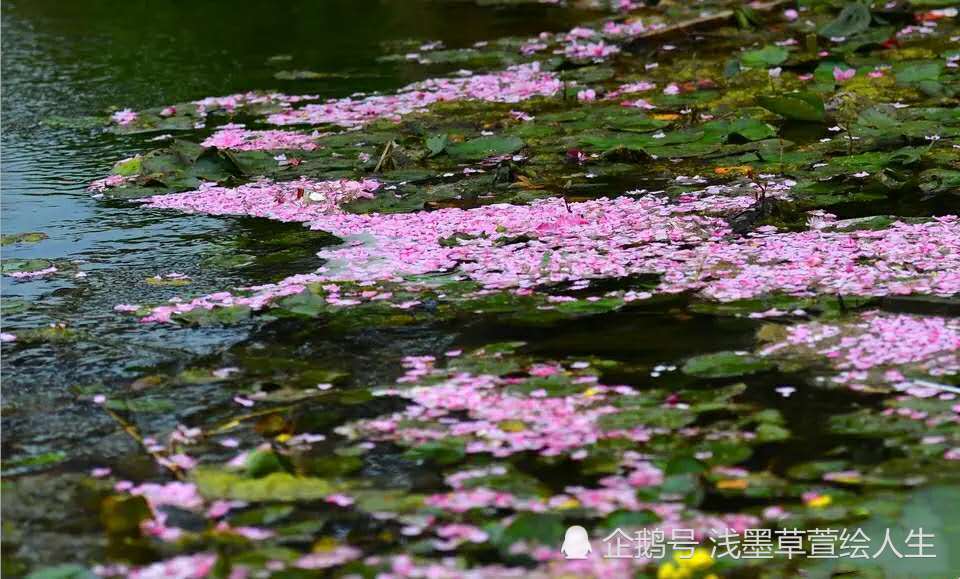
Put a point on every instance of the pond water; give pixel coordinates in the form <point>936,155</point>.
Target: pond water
<point>83,58</point>
<point>67,62</point>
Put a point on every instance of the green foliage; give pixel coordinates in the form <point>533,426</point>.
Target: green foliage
<point>28,237</point>
<point>798,106</point>
<point>725,365</point>
<point>276,486</point>
<point>765,57</point>
<point>67,571</point>
<point>854,18</point>
<point>483,147</point>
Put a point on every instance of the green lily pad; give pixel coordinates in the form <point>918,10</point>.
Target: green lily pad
<point>725,365</point>
<point>276,486</point>
<point>798,106</point>
<point>854,18</point>
<point>11,265</point>
<point>28,237</point>
<point>68,571</point>
<point>765,57</point>
<point>483,147</point>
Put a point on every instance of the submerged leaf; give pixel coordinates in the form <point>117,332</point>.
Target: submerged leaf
<point>854,18</point>
<point>798,106</point>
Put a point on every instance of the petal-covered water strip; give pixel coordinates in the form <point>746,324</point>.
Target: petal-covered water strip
<point>525,247</point>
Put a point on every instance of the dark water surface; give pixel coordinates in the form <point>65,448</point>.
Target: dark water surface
<point>77,59</point>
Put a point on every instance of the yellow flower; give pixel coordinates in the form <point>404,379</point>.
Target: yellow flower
<point>671,571</point>
<point>590,392</point>
<point>819,501</point>
<point>283,437</point>
<point>700,560</point>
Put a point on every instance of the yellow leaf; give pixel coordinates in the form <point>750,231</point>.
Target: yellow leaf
<point>512,426</point>
<point>733,484</point>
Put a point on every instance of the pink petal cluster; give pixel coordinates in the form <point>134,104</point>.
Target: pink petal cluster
<point>33,274</point>
<point>231,103</point>
<point>628,30</point>
<point>332,558</point>
<point>879,348</point>
<point>239,139</point>
<point>499,422</point>
<point>515,84</point>
<point>455,534</point>
<point>602,238</point>
<point>183,567</point>
<point>281,201</point>
<point>124,117</point>
<point>178,494</point>
<point>631,88</point>
<point>594,51</point>
<point>101,185</point>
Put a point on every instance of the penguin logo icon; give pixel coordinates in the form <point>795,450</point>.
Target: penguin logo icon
<point>576,543</point>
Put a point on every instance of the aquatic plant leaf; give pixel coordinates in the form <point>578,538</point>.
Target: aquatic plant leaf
<point>180,166</point>
<point>145,404</point>
<point>379,501</point>
<point>765,57</point>
<point>215,316</point>
<point>589,74</point>
<point>725,365</point>
<point>798,106</point>
<point>916,72</point>
<point>545,529</point>
<point>649,417</point>
<point>28,237</point>
<point>9,265</point>
<point>14,466</point>
<point>935,509</point>
<point>483,147</point>
<point>306,75</point>
<point>446,451</point>
<point>747,128</point>
<point>122,515</point>
<point>436,144</point>
<point>68,571</point>
<point>276,486</point>
<point>940,181</point>
<point>306,303</point>
<point>261,463</point>
<point>854,18</point>
<point>630,519</point>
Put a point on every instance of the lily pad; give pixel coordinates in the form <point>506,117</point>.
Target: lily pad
<point>277,486</point>
<point>798,106</point>
<point>725,365</point>
<point>29,237</point>
<point>854,18</point>
<point>483,147</point>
